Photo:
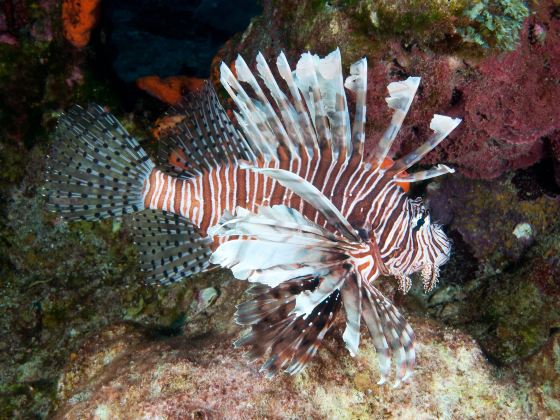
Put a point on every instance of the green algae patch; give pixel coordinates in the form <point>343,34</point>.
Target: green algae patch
<point>494,23</point>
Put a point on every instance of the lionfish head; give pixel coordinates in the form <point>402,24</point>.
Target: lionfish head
<point>431,248</point>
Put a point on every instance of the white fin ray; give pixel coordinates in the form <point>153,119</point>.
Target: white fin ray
<point>270,242</point>
<point>308,131</point>
<point>400,98</point>
<point>274,276</point>
<point>352,301</point>
<point>331,85</point>
<point>287,111</point>
<point>307,80</point>
<point>245,222</point>
<point>307,300</point>
<point>357,83</point>
<point>271,121</point>
<point>436,171</point>
<point>442,126</point>
<point>252,120</point>
<point>313,196</point>
<point>245,256</point>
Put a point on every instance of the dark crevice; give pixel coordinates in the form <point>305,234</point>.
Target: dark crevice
<point>539,179</point>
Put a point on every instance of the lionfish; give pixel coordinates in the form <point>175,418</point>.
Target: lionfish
<point>294,205</point>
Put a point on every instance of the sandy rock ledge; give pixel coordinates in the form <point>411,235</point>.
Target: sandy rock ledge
<point>124,372</point>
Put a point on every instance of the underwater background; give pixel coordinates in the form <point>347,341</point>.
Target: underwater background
<point>82,336</point>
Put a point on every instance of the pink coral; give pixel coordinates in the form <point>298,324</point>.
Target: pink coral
<point>508,103</point>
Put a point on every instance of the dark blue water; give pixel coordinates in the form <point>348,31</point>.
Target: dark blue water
<point>171,37</point>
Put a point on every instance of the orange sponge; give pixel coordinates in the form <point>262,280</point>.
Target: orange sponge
<point>170,89</point>
<point>166,124</point>
<point>78,18</point>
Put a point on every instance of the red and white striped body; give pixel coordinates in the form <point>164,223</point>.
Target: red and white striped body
<point>362,195</point>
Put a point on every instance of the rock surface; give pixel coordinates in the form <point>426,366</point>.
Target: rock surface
<point>122,373</point>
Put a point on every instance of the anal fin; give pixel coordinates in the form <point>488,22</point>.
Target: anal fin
<point>170,246</point>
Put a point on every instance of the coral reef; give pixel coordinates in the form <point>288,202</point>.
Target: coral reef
<point>543,370</point>
<point>121,372</point>
<point>72,299</point>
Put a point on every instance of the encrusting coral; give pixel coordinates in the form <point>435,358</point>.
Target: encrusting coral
<point>494,23</point>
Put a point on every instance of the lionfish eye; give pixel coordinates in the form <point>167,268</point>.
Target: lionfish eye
<point>420,222</point>
<point>364,234</point>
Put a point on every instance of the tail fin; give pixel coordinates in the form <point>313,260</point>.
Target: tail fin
<point>97,170</point>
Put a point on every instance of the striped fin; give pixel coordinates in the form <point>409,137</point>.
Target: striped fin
<point>290,340</point>
<point>287,111</point>
<point>400,98</point>
<point>391,334</point>
<point>307,80</point>
<point>96,169</point>
<point>313,196</point>
<point>273,125</point>
<point>303,119</point>
<point>436,171</point>
<point>357,83</point>
<point>170,246</point>
<point>269,247</point>
<point>328,74</point>
<point>203,139</point>
<point>442,126</point>
<point>323,122</point>
<point>250,117</point>
<point>331,280</point>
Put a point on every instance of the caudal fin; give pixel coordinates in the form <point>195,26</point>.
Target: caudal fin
<point>96,170</point>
